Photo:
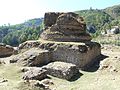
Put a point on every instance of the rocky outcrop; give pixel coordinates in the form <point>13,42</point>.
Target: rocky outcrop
<point>61,70</point>
<point>80,54</point>
<point>65,27</point>
<point>6,50</point>
<point>35,74</point>
<point>29,44</point>
<point>32,57</point>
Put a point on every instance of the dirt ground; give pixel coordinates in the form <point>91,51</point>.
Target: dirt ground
<point>104,75</point>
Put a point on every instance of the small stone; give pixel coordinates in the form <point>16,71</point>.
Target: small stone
<point>35,74</point>
<point>47,82</point>
<point>4,80</point>
<point>42,85</point>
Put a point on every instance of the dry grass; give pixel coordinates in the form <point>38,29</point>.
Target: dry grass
<point>96,80</point>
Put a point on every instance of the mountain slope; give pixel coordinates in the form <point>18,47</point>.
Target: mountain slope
<point>113,11</point>
<point>95,19</point>
<point>16,34</point>
<point>95,16</point>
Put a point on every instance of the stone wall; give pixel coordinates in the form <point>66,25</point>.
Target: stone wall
<point>80,55</point>
<point>50,19</point>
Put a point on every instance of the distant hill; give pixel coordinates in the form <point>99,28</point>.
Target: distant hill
<point>16,34</point>
<point>33,22</point>
<point>95,16</point>
<point>113,11</point>
<point>97,20</point>
<point>101,19</point>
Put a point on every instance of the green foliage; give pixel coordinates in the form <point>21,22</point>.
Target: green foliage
<point>101,20</point>
<point>98,20</point>
<point>113,11</point>
<point>16,34</point>
<point>96,17</point>
<point>17,37</point>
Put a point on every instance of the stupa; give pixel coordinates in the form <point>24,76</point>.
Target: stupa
<point>67,27</point>
<point>65,38</point>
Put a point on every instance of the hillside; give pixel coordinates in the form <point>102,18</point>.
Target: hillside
<point>95,16</point>
<point>16,34</point>
<point>101,19</point>
<point>113,11</point>
<point>97,20</point>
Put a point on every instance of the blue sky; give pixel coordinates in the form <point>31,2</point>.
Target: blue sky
<point>17,11</point>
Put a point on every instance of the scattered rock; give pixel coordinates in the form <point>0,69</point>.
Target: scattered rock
<point>47,82</point>
<point>112,69</point>
<point>4,80</point>
<point>29,44</point>
<point>6,50</point>
<point>61,70</point>
<point>42,85</point>
<point>32,57</point>
<point>2,62</point>
<point>35,74</point>
<point>25,69</point>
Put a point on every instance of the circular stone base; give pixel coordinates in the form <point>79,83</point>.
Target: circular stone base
<point>56,36</point>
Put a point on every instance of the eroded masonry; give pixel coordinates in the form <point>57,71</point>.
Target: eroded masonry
<point>65,39</point>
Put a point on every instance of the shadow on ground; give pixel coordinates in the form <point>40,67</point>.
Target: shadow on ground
<point>75,77</point>
<point>95,66</point>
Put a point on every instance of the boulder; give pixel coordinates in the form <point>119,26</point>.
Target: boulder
<point>47,82</point>
<point>61,70</point>
<point>32,57</point>
<point>29,44</point>
<point>6,50</point>
<point>35,74</point>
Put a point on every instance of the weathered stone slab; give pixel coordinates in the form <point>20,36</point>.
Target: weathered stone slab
<point>61,70</point>
<point>33,57</point>
<point>29,44</point>
<point>35,74</point>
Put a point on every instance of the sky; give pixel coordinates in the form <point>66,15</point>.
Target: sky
<point>18,11</point>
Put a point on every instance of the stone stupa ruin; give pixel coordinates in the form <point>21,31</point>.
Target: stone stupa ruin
<point>65,39</point>
<point>68,27</point>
